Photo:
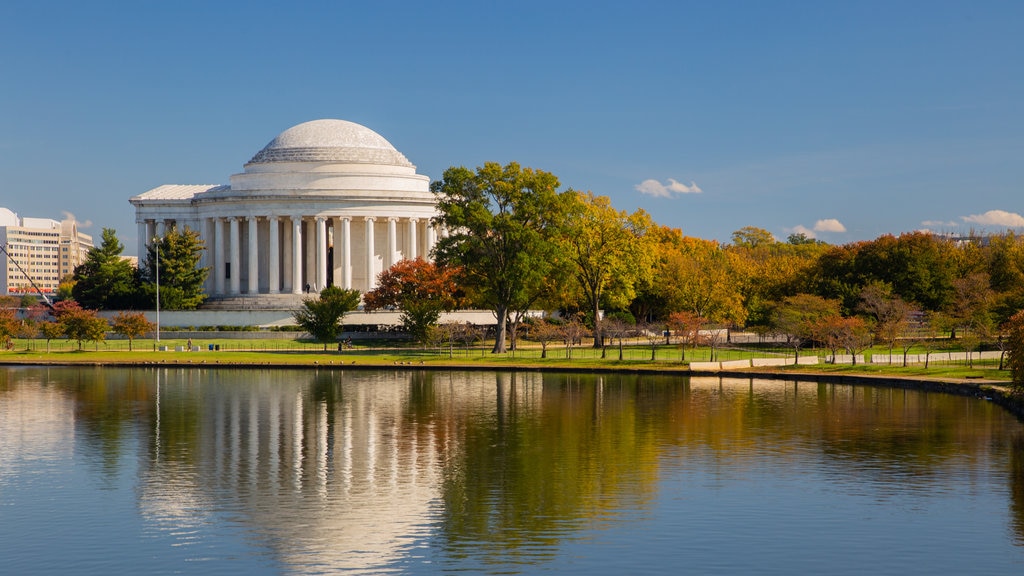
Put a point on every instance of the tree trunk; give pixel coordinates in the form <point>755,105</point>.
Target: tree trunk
<point>598,339</point>
<point>501,313</point>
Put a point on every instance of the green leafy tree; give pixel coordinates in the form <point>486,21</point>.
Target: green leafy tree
<point>608,252</point>
<point>181,277</point>
<point>105,281</point>
<point>420,289</point>
<point>501,221</point>
<point>322,316</point>
<point>131,325</point>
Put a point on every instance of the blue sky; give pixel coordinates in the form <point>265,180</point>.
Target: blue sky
<point>845,120</point>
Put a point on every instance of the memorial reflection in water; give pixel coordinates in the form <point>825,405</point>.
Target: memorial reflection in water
<point>426,471</point>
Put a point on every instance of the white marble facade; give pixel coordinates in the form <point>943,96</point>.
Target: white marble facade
<point>327,202</point>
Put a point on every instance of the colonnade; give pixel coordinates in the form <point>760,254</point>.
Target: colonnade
<point>256,254</point>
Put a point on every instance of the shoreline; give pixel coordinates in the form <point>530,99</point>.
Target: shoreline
<point>996,391</point>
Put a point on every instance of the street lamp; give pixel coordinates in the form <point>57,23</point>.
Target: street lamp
<point>157,240</point>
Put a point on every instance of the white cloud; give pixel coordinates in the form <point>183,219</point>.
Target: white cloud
<point>938,224</point>
<point>996,218</point>
<point>69,216</point>
<point>801,229</point>
<point>829,225</point>
<point>654,188</point>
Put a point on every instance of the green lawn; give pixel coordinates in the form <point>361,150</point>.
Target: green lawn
<point>635,355</point>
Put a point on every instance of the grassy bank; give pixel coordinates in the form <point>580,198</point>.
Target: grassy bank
<point>286,352</point>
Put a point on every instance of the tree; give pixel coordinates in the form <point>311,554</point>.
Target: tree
<point>704,283</point>
<point>972,310</point>
<point>50,330</point>
<point>799,316</point>
<point>80,324</point>
<point>608,251</point>
<point>8,327</point>
<point>752,237</point>
<point>131,325</point>
<point>856,336</point>
<point>105,281</point>
<point>501,221</point>
<point>618,327</point>
<point>890,313</point>
<point>322,316</point>
<point>686,326</point>
<point>572,332</point>
<point>181,277</point>
<point>420,289</point>
<point>1016,356</point>
<point>543,331</point>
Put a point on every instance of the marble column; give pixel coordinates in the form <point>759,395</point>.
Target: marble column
<point>431,239</point>
<point>392,254</point>
<point>296,254</point>
<point>254,260</point>
<point>371,274</point>
<point>412,239</point>
<point>236,257</point>
<point>321,253</point>
<point>309,245</point>
<point>218,256</point>
<point>143,242</point>
<point>346,253</point>
<point>286,258</point>
<point>274,257</point>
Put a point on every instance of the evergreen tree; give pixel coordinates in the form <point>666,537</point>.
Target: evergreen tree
<point>105,281</point>
<point>181,277</point>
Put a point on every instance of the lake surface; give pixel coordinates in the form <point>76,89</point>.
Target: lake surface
<point>205,471</point>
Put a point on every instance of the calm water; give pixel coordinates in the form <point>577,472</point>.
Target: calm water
<point>159,471</point>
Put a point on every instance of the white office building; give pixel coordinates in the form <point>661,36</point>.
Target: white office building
<point>39,251</point>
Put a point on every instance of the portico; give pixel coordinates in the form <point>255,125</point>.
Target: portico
<point>327,202</point>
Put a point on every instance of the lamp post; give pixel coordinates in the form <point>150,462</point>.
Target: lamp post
<point>157,250</point>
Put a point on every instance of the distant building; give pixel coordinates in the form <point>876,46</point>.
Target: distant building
<point>38,250</point>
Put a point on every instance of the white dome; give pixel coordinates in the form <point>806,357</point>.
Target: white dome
<point>330,141</point>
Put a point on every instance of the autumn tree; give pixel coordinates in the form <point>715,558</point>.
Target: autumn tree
<point>50,330</point>
<point>420,289</point>
<point>131,325</point>
<point>890,314</point>
<point>322,316</point>
<point>1015,329</point>
<point>105,281</point>
<point>704,283</point>
<point>79,324</point>
<point>181,277</point>
<point>572,330</point>
<point>617,327</point>
<point>686,326</point>
<point>501,221</point>
<point>854,336</point>
<point>608,251</point>
<point>8,326</point>
<point>798,318</point>
<point>971,310</point>
<point>544,332</point>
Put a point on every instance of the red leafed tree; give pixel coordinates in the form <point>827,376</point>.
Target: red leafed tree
<point>420,289</point>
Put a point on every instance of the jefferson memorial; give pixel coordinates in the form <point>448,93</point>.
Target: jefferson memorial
<point>327,202</point>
